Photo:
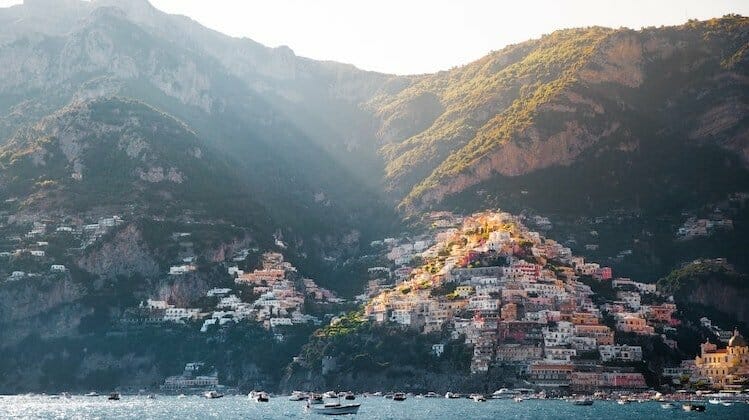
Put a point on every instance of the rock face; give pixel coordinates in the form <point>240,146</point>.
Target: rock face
<point>546,102</point>
<point>125,254</point>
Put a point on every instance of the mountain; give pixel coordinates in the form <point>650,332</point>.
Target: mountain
<point>211,150</point>
<point>564,99</point>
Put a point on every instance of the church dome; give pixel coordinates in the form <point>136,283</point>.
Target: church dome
<point>737,340</point>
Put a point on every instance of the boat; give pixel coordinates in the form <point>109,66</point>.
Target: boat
<point>213,395</point>
<point>298,396</point>
<point>399,396</point>
<point>582,401</point>
<point>315,399</point>
<point>518,399</point>
<point>505,394</point>
<point>330,394</point>
<point>622,401</point>
<point>714,401</point>
<point>92,394</point>
<point>180,396</point>
<point>259,396</point>
<point>452,395</point>
<point>349,396</point>
<point>693,407</point>
<point>726,403</point>
<point>431,395</point>
<point>151,397</point>
<point>477,397</point>
<point>114,396</point>
<point>333,409</point>
<point>668,406</point>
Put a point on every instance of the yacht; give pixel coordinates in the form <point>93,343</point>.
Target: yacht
<point>298,396</point>
<point>399,396</point>
<point>693,407</point>
<point>583,401</point>
<point>115,396</point>
<point>668,406</point>
<point>505,394</point>
<point>452,395</point>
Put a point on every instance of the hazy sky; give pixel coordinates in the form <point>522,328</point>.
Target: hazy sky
<point>414,36</point>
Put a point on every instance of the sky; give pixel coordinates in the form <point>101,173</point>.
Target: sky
<point>419,36</point>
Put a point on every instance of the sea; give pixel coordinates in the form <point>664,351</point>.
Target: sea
<point>241,407</point>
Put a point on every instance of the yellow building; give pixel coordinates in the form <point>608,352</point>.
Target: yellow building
<point>724,366</point>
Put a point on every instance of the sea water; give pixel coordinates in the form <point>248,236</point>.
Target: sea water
<point>241,407</point>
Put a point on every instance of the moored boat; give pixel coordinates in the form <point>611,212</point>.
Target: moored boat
<point>452,395</point>
<point>693,407</point>
<point>582,401</point>
<point>399,396</point>
<point>505,394</point>
<point>477,397</point>
<point>92,394</point>
<point>668,406</point>
<point>114,396</point>
<point>297,396</point>
<point>349,396</point>
<point>333,409</point>
<point>213,395</point>
<point>431,395</point>
<point>315,399</point>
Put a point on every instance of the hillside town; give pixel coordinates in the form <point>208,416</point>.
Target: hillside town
<point>525,302</point>
<point>277,298</point>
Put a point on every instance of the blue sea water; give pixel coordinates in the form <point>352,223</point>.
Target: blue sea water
<point>241,407</point>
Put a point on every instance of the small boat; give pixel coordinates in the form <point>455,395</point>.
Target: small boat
<point>92,394</point>
<point>622,401</point>
<point>213,395</point>
<point>668,406</point>
<point>714,401</point>
<point>452,395</point>
<point>518,399</point>
<point>334,409</point>
<point>693,407</point>
<point>151,397</point>
<point>180,396</point>
<point>298,396</point>
<point>114,396</point>
<point>349,396</point>
<point>477,397</point>
<point>66,395</point>
<point>399,396</point>
<point>259,396</point>
<point>726,403</point>
<point>315,399</point>
<point>330,394</point>
<point>431,395</point>
<point>582,401</point>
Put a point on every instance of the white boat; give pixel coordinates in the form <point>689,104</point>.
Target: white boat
<point>668,406</point>
<point>298,396</point>
<point>399,396</point>
<point>518,399</point>
<point>715,401</point>
<point>726,403</point>
<point>505,394</point>
<point>622,401</point>
<point>477,397</point>
<point>452,395</point>
<point>582,401</point>
<point>261,397</point>
<point>92,394</point>
<point>315,399</point>
<point>693,407</point>
<point>349,396</point>
<point>334,409</point>
<point>213,395</point>
<point>330,394</point>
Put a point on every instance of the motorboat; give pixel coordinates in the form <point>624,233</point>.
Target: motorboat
<point>92,394</point>
<point>399,396</point>
<point>505,394</point>
<point>115,396</point>
<point>349,396</point>
<point>477,397</point>
<point>623,401</point>
<point>582,401</point>
<point>213,395</point>
<point>315,399</point>
<point>431,395</point>
<point>518,399</point>
<point>330,394</point>
<point>151,397</point>
<point>333,409</point>
<point>693,407</point>
<point>298,396</point>
<point>452,395</point>
<point>260,396</point>
<point>668,406</point>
